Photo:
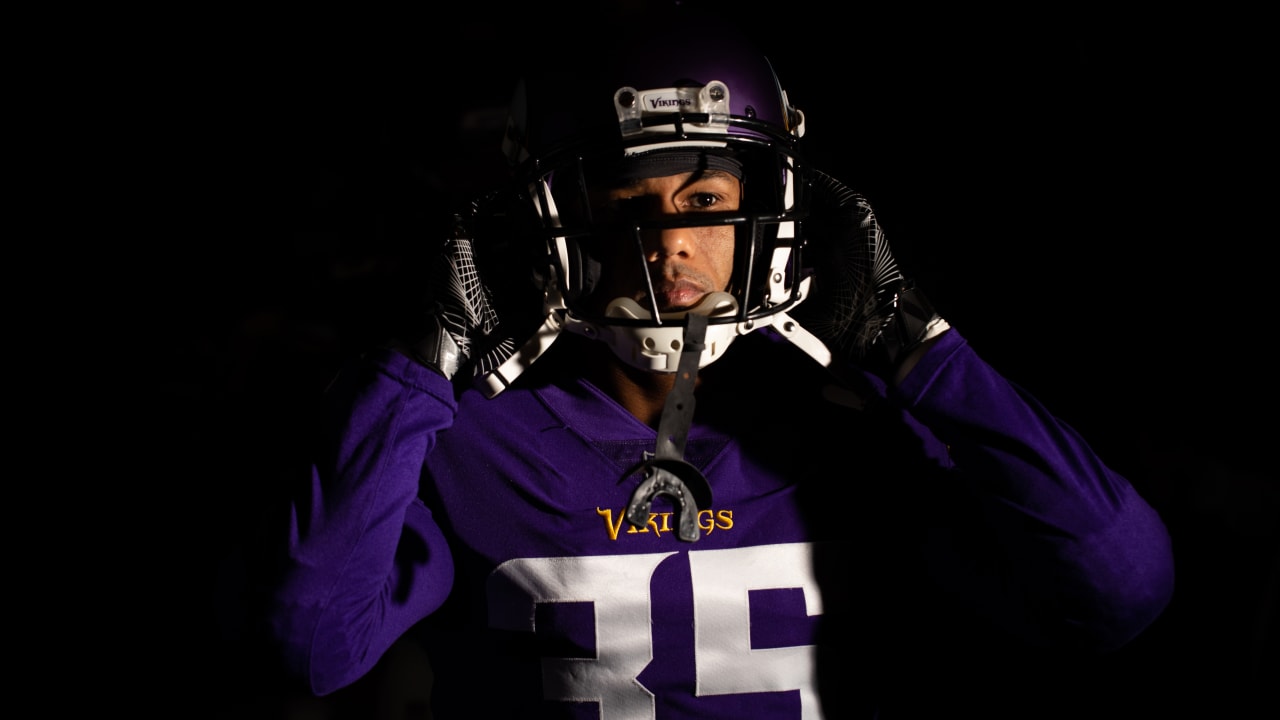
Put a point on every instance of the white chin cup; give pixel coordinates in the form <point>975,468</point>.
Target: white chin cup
<point>658,348</point>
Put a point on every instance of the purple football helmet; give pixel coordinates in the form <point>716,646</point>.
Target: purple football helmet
<point>684,94</point>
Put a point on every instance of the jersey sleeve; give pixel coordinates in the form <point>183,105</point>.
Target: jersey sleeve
<point>1052,543</point>
<point>364,558</point>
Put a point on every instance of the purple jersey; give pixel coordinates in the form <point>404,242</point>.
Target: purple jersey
<point>495,530</point>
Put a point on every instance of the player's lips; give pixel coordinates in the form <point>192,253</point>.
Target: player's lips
<point>678,294</point>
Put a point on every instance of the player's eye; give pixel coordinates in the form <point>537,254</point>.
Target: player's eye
<point>703,201</point>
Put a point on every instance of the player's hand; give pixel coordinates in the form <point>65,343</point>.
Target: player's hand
<point>861,305</point>
<point>457,324</point>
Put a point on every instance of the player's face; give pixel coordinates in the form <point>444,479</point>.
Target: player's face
<point>684,263</point>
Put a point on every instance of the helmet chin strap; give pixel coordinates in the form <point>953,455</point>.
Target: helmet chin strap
<point>665,470</point>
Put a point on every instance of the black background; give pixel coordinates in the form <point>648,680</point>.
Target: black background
<point>1086,196</point>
